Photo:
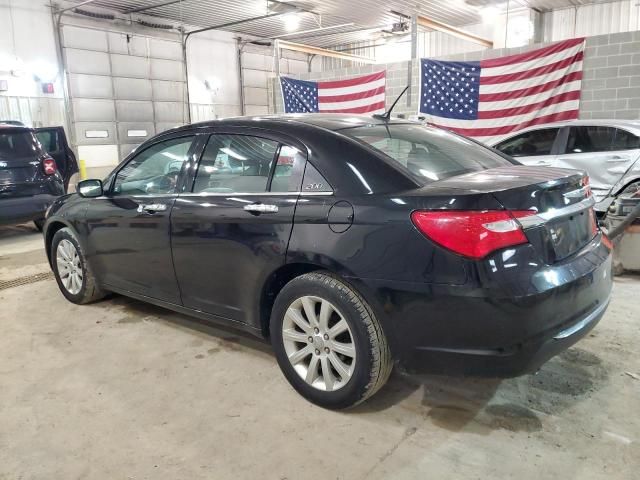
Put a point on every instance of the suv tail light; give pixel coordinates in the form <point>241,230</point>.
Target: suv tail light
<point>49,166</point>
<point>473,234</point>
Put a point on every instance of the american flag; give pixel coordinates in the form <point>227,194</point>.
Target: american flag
<point>491,98</point>
<point>354,95</point>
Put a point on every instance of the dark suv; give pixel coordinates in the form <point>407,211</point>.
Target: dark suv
<point>35,168</point>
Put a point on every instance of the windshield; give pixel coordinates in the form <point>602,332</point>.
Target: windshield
<point>428,153</point>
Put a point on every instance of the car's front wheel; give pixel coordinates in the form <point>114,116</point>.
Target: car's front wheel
<point>328,342</point>
<point>73,273</point>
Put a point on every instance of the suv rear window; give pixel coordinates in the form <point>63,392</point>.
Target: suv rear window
<point>17,145</point>
<point>430,154</point>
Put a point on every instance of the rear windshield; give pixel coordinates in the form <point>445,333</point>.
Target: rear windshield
<point>430,154</point>
<point>17,145</point>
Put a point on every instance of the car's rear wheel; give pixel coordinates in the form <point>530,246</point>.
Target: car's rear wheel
<point>73,273</point>
<point>328,342</point>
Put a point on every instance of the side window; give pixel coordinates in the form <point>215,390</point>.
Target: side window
<point>154,170</point>
<point>530,144</point>
<point>49,140</point>
<point>625,141</point>
<point>235,164</point>
<point>314,181</point>
<point>588,139</point>
<point>287,175</point>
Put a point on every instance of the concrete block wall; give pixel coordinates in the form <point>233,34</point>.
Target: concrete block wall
<point>610,85</point>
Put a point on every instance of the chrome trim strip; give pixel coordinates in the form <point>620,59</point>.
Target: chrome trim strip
<point>254,194</point>
<point>541,218</point>
<point>582,323</point>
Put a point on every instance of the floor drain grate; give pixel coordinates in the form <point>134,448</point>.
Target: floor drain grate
<point>17,282</point>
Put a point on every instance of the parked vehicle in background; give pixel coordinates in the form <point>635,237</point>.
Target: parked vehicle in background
<point>35,167</point>
<point>608,150</point>
<point>350,242</point>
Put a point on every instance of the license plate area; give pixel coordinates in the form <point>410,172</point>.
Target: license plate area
<point>568,234</point>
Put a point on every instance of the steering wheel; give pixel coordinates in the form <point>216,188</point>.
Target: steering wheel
<point>162,184</point>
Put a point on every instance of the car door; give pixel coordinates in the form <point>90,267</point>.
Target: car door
<point>593,148</point>
<point>534,147</point>
<point>232,230</point>
<point>128,236</point>
<point>54,142</point>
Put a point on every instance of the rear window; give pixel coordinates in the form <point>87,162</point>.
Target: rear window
<point>429,154</point>
<point>17,145</point>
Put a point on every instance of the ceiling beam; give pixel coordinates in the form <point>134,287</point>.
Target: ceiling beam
<point>453,31</point>
<point>311,50</point>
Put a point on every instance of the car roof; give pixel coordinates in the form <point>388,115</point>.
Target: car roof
<point>600,122</point>
<point>328,121</point>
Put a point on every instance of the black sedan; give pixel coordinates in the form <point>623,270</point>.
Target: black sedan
<point>350,242</point>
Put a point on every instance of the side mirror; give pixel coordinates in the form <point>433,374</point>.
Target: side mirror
<point>90,188</point>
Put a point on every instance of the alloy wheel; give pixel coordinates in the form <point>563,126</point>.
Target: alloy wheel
<point>69,266</point>
<point>319,343</point>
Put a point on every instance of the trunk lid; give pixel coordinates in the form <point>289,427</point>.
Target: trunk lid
<point>563,221</point>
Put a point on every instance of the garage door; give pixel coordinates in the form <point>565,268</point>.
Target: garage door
<point>124,88</point>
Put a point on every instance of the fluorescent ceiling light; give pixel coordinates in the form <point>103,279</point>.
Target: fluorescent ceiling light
<point>291,21</point>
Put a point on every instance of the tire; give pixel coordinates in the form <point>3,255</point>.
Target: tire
<point>66,251</point>
<point>39,223</point>
<point>358,359</point>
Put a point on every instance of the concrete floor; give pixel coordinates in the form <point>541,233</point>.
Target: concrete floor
<point>124,390</point>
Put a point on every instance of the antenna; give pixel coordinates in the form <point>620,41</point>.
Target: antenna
<point>387,115</point>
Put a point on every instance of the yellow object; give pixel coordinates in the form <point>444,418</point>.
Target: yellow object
<point>83,169</point>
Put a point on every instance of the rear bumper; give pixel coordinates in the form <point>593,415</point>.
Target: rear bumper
<point>509,322</point>
<point>24,209</point>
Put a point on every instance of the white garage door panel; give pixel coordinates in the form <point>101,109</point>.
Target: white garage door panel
<point>256,109</point>
<point>167,70</point>
<point>165,49</point>
<point>92,128</point>
<point>128,131</point>
<point>132,111</point>
<point>127,45</point>
<point>92,86</point>
<point>256,96</point>
<point>255,78</point>
<point>165,91</point>
<point>129,66</point>
<point>93,110</point>
<point>85,61</point>
<point>169,111</point>
<point>132,88</point>
<point>255,61</point>
<point>84,38</point>
<point>99,156</point>
<point>296,66</point>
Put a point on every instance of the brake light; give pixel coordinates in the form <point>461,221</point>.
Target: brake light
<point>473,234</point>
<point>49,166</point>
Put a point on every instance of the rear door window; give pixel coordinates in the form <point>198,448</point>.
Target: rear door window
<point>530,144</point>
<point>429,154</point>
<point>590,139</point>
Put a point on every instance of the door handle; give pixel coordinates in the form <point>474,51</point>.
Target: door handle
<point>617,158</point>
<point>152,208</point>
<point>260,208</point>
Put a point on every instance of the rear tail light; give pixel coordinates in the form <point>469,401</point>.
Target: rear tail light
<point>586,186</point>
<point>474,234</point>
<point>49,165</point>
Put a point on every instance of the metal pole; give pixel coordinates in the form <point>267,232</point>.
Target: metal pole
<point>414,55</point>
<point>241,75</point>
<point>276,53</point>
<point>66,89</point>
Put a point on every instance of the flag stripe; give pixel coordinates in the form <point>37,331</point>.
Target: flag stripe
<point>352,81</point>
<point>353,88</point>
<point>365,109</point>
<point>534,72</point>
<point>348,105</point>
<point>530,82</point>
<point>485,132</point>
<point>525,92</point>
<point>513,120</point>
<point>322,98</point>
<point>529,99</point>
<point>524,57</point>
<point>511,112</point>
<point>528,65</point>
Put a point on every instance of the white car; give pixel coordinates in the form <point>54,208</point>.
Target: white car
<point>608,150</point>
